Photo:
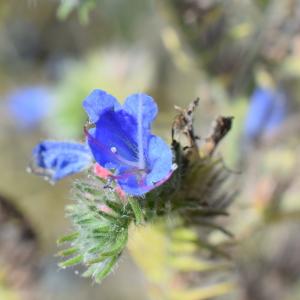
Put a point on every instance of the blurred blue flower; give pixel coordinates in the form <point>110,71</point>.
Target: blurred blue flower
<point>29,105</point>
<point>122,141</point>
<point>266,113</point>
<point>56,160</point>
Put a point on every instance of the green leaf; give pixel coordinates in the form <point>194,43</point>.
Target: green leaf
<point>116,207</point>
<point>67,252</point>
<point>118,246</point>
<point>103,229</point>
<point>90,271</point>
<point>108,216</point>
<point>68,238</point>
<point>71,262</point>
<point>137,210</point>
<point>96,260</point>
<point>109,264</point>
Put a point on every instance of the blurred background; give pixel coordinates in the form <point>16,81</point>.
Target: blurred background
<point>240,57</point>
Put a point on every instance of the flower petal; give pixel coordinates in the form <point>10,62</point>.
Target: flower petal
<point>160,163</point>
<point>97,102</point>
<point>30,105</point>
<point>159,160</point>
<point>279,112</point>
<point>132,187</point>
<point>113,140</point>
<point>59,159</point>
<point>142,107</point>
<point>259,111</point>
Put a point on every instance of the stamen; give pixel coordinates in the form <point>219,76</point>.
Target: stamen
<point>113,149</point>
<point>174,167</point>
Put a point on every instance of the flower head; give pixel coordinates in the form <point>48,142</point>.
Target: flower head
<point>121,141</point>
<point>29,105</point>
<point>59,159</point>
<point>266,112</point>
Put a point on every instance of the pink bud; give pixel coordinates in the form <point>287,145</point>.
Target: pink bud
<point>105,208</point>
<point>102,172</point>
<point>121,193</point>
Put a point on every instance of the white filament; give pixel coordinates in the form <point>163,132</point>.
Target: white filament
<point>113,149</point>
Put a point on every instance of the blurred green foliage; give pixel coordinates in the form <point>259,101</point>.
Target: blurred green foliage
<point>106,68</point>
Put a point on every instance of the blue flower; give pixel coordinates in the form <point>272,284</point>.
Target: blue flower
<point>266,113</point>
<point>29,105</point>
<point>56,160</point>
<point>122,141</point>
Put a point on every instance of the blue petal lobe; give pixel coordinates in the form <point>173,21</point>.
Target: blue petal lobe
<point>142,107</point>
<point>259,110</point>
<point>159,160</point>
<point>159,163</point>
<point>97,102</point>
<point>29,105</point>
<point>266,112</point>
<point>132,187</point>
<point>278,112</point>
<point>59,159</point>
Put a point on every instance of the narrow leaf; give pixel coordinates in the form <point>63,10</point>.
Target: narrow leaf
<point>137,210</point>
<point>106,269</point>
<point>67,252</point>
<point>71,262</point>
<point>68,238</point>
